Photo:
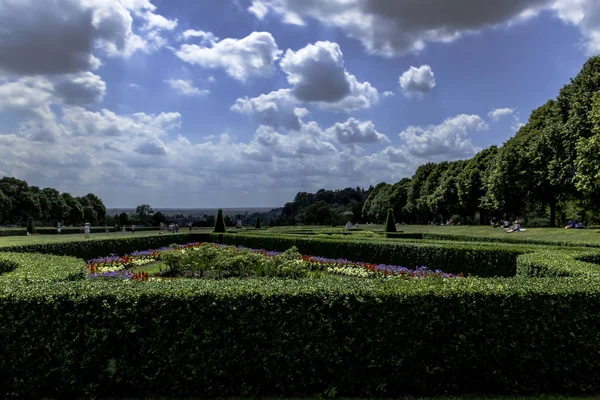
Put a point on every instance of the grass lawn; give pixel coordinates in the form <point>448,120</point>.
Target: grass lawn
<point>553,234</point>
<point>15,240</point>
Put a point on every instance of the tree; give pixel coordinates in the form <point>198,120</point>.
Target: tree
<point>398,198</point>
<point>143,213</point>
<point>377,203</point>
<point>418,180</point>
<point>470,183</point>
<point>31,226</point>
<point>75,216</point>
<point>390,224</point>
<point>272,223</point>
<point>123,219</point>
<point>158,218</point>
<point>257,225</point>
<point>99,210</point>
<point>219,224</point>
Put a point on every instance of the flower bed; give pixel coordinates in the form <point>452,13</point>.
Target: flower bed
<point>223,260</point>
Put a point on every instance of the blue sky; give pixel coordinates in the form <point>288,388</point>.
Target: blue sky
<point>185,103</point>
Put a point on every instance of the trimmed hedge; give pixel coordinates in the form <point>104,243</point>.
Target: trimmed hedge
<point>556,264</point>
<point>484,260</point>
<point>39,267</point>
<point>299,337</point>
<point>93,248</point>
<point>70,230</point>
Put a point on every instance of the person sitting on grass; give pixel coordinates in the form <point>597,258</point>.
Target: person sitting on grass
<point>516,227</point>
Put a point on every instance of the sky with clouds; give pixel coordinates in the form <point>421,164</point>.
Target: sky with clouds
<point>202,103</point>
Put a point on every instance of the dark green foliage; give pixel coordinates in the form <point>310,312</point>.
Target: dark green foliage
<point>87,249</point>
<point>31,226</point>
<point>28,267</point>
<point>219,223</point>
<point>272,223</point>
<point>390,224</point>
<point>257,225</point>
<point>469,258</point>
<point>213,339</point>
<point>333,223</point>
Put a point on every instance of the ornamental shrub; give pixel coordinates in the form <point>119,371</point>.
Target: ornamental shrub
<point>257,225</point>
<point>219,223</point>
<point>272,223</point>
<point>30,226</point>
<point>390,224</point>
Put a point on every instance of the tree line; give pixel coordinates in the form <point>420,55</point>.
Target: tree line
<point>19,202</point>
<point>548,172</point>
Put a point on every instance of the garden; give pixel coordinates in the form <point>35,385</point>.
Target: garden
<point>281,313</point>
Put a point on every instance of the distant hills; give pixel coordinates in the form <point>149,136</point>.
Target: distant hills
<point>194,212</point>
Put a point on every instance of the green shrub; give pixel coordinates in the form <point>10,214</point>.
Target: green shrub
<point>212,339</point>
<point>30,226</point>
<point>219,223</point>
<point>257,225</point>
<point>555,263</point>
<point>482,260</point>
<point>39,267</point>
<point>93,248</point>
<point>390,224</point>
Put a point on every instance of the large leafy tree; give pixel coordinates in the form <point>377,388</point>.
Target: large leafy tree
<point>470,183</point>
<point>413,205</point>
<point>76,214</point>
<point>143,213</point>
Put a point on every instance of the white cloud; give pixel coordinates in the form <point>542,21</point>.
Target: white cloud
<point>318,77</point>
<point>353,133</point>
<point>242,59</point>
<point>30,96</point>
<point>61,36</point>
<point>498,113</point>
<point>186,87</point>
<point>417,81</point>
<point>447,141</point>
<point>391,28</point>
<point>275,109</point>
<point>316,72</point>
<point>80,89</point>
<point>206,38</point>
<point>388,93</point>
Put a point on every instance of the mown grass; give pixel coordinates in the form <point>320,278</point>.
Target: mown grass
<point>538,234</point>
<point>15,240</point>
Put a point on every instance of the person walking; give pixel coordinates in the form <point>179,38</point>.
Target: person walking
<point>132,229</point>
<point>86,230</point>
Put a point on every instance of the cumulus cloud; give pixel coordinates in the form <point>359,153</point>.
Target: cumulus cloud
<point>391,28</point>
<point>353,132</point>
<point>206,38</point>
<point>316,72</point>
<point>186,87</point>
<point>33,96</point>
<point>417,81</point>
<point>80,89</point>
<point>252,56</point>
<point>151,149</point>
<point>498,113</point>
<point>448,140</point>
<point>318,77</point>
<point>60,36</point>
<point>276,109</point>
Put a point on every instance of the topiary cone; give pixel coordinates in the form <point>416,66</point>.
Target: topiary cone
<point>390,224</point>
<point>219,223</point>
<point>257,226</point>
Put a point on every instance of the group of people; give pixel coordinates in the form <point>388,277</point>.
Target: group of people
<point>508,227</point>
<point>173,228</point>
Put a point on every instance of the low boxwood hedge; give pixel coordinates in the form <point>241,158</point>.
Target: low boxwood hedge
<point>481,260</point>
<point>272,337</point>
<point>39,267</point>
<point>92,248</point>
